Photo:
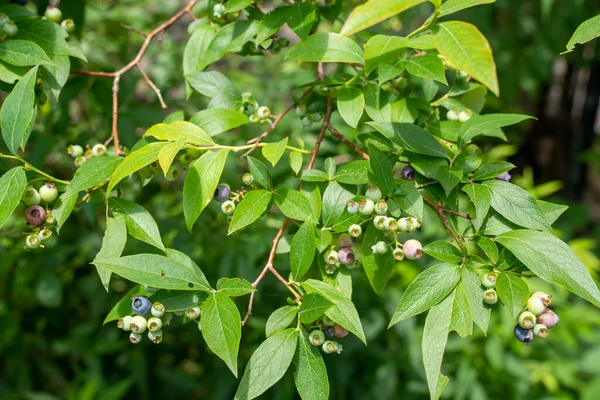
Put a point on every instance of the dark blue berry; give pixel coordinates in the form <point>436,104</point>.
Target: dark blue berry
<point>329,331</point>
<point>222,193</point>
<point>524,335</point>
<point>408,173</point>
<point>141,305</point>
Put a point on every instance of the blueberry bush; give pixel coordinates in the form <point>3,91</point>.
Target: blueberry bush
<point>382,138</point>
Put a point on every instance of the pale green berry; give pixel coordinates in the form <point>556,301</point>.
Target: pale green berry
<point>316,338</point>
<point>317,117</point>
<point>193,313</point>
<point>124,323</point>
<point>219,10</point>
<point>68,25</point>
<point>135,337</point>
<point>254,118</point>
<point>33,241</point>
<point>53,14</point>
<point>536,305</point>
<point>79,161</point>
<point>301,110</point>
<point>464,116</point>
<point>490,296</point>
<point>248,98</point>
<point>527,320</point>
<point>155,336</point>
<point>546,298</point>
<point>166,318</point>
<point>452,115</point>
<point>331,257</point>
<point>263,112</point>
<point>31,197</point>
<point>99,150</point>
<point>248,179</point>
<point>352,207</point>
<point>380,247</point>
<point>366,207</point>
<point>75,150</point>
<point>307,121</point>
<point>381,208</point>
<point>373,193</point>
<point>45,234</point>
<point>379,222</point>
<point>398,254</point>
<point>154,324</point>
<point>355,230</point>
<point>391,224</point>
<point>329,346</point>
<point>157,310</point>
<point>489,280</point>
<point>138,324</point>
<point>541,330</point>
<point>228,207</point>
<point>10,29</point>
<point>172,173</point>
<point>48,192</point>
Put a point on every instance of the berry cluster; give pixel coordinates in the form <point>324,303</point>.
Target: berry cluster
<point>256,114</point>
<point>489,282</point>
<point>537,319</point>
<point>327,329</point>
<point>40,219</point>
<point>8,28</point>
<point>228,198</point>
<point>460,116</point>
<point>54,14</point>
<point>81,156</point>
<point>308,118</point>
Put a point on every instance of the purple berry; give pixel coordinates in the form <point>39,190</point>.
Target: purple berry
<point>524,335</point>
<point>408,173</point>
<point>35,215</point>
<point>222,193</point>
<point>505,176</point>
<point>141,305</point>
<point>413,250</point>
<point>340,331</point>
<point>346,256</point>
<point>345,240</point>
<point>548,318</point>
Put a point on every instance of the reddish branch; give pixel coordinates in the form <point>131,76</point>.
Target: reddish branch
<point>347,142</point>
<point>116,75</point>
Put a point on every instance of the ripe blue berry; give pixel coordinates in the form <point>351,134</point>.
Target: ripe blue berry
<point>373,193</point>
<point>141,305</point>
<point>340,331</point>
<point>222,193</point>
<point>352,207</point>
<point>33,241</point>
<point>75,150</point>
<point>154,324</point>
<point>193,313</point>
<point>155,336</point>
<point>31,197</point>
<point>379,222</point>
<point>381,207</point>
<point>35,215</point>
<point>157,310</point>
<point>489,280</point>
<point>316,338</point>
<point>541,330</point>
<point>138,324</point>
<point>248,179</point>
<point>99,150</point>
<point>390,224</point>
<point>228,207</point>
<point>408,173</point>
<point>536,305</point>
<point>366,207</point>
<point>48,192</point>
<point>53,14</point>
<point>331,257</point>
<point>345,240</point>
<point>490,296</point>
<point>524,335</point>
<point>527,320</point>
<point>135,337</point>
<point>329,331</point>
<point>355,230</point>
<point>413,250</point>
<point>505,176</point>
<point>346,256</point>
<point>548,318</point>
<point>124,323</point>
<point>398,254</point>
<point>380,247</point>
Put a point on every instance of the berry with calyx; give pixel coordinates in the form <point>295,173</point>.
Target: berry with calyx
<point>50,219</point>
<point>408,173</point>
<point>254,118</point>
<point>10,29</point>
<point>408,224</point>
<point>536,305</point>
<point>398,254</point>
<point>307,121</point>
<point>541,330</point>
<point>546,298</point>
<point>48,192</point>
<point>524,335</point>
<point>53,14</point>
<point>452,115</point>
<point>283,42</point>
<point>141,305</point>
<point>548,318</point>
<point>79,161</point>
<point>135,337</point>
<point>527,320</point>
<point>222,193</point>
<point>33,241</point>
<point>45,234</point>
<point>35,215</point>
<point>31,197</point>
<point>340,331</point>
<point>172,173</point>
<point>489,280</point>
<point>228,207</point>
<point>157,310</point>
<point>68,25</point>
<point>99,150</point>
<point>301,110</point>
<point>248,179</point>
<point>316,338</point>
<point>138,324</point>
<point>331,257</point>
<point>380,247</point>
<point>329,346</point>
<point>366,207</point>
<point>185,159</point>
<point>413,250</point>
<point>346,256</point>
<point>193,313</point>
<point>390,224</point>
<point>381,207</point>
<point>352,207</point>
<point>505,176</point>
<point>154,324</point>
<point>345,240</point>
<point>317,117</point>
<point>263,112</point>
<point>355,230</point>
<point>490,296</point>
<point>464,116</point>
<point>124,323</point>
<point>75,150</point>
<point>219,10</point>
<point>248,98</point>
<point>3,19</point>
<point>379,222</point>
<point>155,336</point>
<point>373,193</point>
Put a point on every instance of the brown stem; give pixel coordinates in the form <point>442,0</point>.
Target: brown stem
<point>347,142</point>
<point>439,208</point>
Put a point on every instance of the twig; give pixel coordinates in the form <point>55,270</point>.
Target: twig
<point>439,208</point>
<point>347,142</point>
<point>116,75</point>
<point>131,28</point>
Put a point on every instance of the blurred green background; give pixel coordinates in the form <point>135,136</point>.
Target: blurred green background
<point>52,341</point>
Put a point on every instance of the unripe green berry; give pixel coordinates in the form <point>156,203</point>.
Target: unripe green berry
<point>307,121</point>
<point>79,161</point>
<point>381,208</point>
<point>185,159</point>
<point>48,192</point>
<point>31,197</point>
<point>263,112</point>
<point>219,10</point>
<point>331,257</point>
<point>391,224</point>
<point>254,118</point>
<point>3,19</point>
<point>248,179</point>
<point>75,150</point>
<point>172,173</point>
<point>408,224</point>
<point>541,330</point>
<point>317,117</point>
<point>138,324</point>
<point>490,296</point>
<point>352,207</point>
<point>45,234</point>
<point>135,337</point>
<point>155,336</point>
<point>464,116</point>
<point>10,29</point>
<point>373,193</point>
<point>355,230</point>
<point>283,42</point>
<point>68,25</point>
<point>489,280</point>
<point>124,323</point>
<point>379,222</point>
<point>536,305</point>
<point>380,247</point>
<point>366,207</point>
<point>247,98</point>
<point>329,347</point>
<point>301,110</point>
<point>527,320</point>
<point>157,310</point>
<point>99,150</point>
<point>50,219</point>
<point>193,313</point>
<point>398,254</point>
<point>452,115</point>
<point>154,324</point>
<point>228,207</point>
<point>316,338</point>
<point>33,241</point>
<point>53,14</point>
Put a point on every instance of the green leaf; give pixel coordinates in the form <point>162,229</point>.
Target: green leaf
<point>140,223</point>
<point>381,166</point>
<point>428,66</point>
<point>237,5</point>
<point>378,267</point>
<point>123,306</point>
<point>93,172</point>
<point>280,319</point>
<point>218,120</point>
<point>482,200</point>
<point>195,49</point>
<point>271,23</point>
<point>63,207</point>
<point>516,204</point>
<point>167,154</point>
<point>324,238</point>
<point>412,138</point>
<point>588,30</point>
<point>471,282</point>
<point>230,38</point>
<point>313,193</point>
<point>187,262</point>
<point>427,290</point>
<point>113,243</point>
<point>551,211</point>
<point>313,306</point>
<point>408,198</point>
<point>234,287</point>
<point>215,85</point>
<point>134,162</point>
<point>302,250</point>
<point>314,175</point>
<point>513,291</point>
<point>443,251</point>
<point>552,260</point>
<point>351,105</point>
<point>222,328</point>
<point>452,6</point>
<point>422,42</point>
<point>268,364</point>
<point>354,173</point>
<point>478,124</point>
<point>491,170</point>
<point>373,12</point>
<point>155,271</point>
<point>23,53</point>
<point>334,203</point>
<point>449,177</point>
<point>260,172</point>
<point>489,247</point>
<point>462,318</point>
<point>327,47</point>
<point>180,130</point>
<point>343,311</point>
<point>50,37</point>
<point>300,17</point>
<point>468,50</point>
<point>179,300</point>
<point>293,204</point>
<point>18,111</point>
<point>296,161</point>
<point>310,375</point>
<point>383,49</point>
<point>435,336</point>
<point>12,187</point>
<point>200,183</point>
<point>250,208</point>
<point>274,151</point>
